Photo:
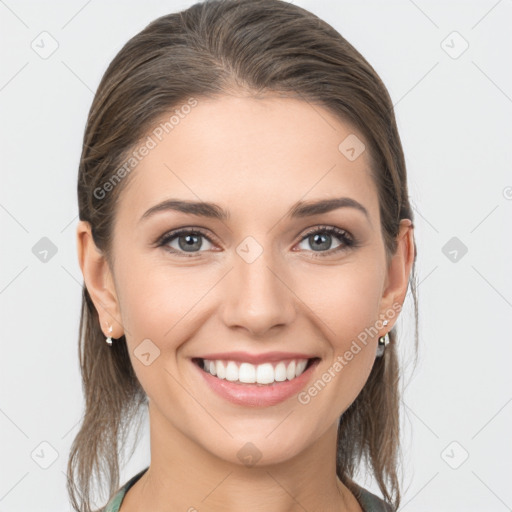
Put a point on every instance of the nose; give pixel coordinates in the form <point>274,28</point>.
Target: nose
<point>257,296</point>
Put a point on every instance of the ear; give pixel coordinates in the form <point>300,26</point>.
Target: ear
<point>399,270</point>
<point>99,281</point>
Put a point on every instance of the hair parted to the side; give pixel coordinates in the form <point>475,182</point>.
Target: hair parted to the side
<point>214,47</point>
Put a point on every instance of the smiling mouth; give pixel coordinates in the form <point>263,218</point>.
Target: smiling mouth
<point>265,374</point>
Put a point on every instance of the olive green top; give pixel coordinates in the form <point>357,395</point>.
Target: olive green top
<point>369,502</point>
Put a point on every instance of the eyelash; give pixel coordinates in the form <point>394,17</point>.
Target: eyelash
<point>348,241</point>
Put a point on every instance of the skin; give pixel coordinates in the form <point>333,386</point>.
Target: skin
<point>255,157</point>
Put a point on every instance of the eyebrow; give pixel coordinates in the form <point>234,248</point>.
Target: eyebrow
<point>299,210</point>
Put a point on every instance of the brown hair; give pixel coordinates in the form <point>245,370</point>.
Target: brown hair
<point>204,51</point>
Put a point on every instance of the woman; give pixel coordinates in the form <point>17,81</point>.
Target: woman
<point>246,243</point>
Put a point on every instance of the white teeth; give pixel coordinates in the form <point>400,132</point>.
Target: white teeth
<point>280,372</point>
<point>231,371</point>
<point>290,371</point>
<point>301,365</point>
<point>248,373</point>
<point>221,371</point>
<point>264,373</point>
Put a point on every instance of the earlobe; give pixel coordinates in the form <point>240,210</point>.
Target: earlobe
<point>398,273</point>
<point>98,280</point>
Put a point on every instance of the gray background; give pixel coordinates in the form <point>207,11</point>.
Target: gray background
<point>454,111</point>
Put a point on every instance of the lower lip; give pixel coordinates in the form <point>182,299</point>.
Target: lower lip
<point>253,395</point>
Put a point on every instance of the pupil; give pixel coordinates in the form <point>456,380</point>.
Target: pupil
<point>190,240</point>
<point>318,238</point>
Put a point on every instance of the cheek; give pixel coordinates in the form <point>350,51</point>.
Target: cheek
<point>155,308</point>
<point>348,310</point>
<point>349,303</point>
<point>164,306</point>
<point>155,299</point>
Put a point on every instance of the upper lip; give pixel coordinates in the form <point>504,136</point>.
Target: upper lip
<point>267,357</point>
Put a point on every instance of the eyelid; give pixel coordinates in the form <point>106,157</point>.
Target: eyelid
<point>328,228</point>
<point>174,233</point>
<point>345,236</point>
<point>348,241</point>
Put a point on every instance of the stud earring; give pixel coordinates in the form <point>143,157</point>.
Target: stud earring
<point>109,339</point>
<point>383,342</point>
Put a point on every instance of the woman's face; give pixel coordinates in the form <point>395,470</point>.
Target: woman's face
<point>257,286</point>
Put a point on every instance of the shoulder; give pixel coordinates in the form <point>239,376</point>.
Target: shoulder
<point>115,502</point>
<point>370,502</point>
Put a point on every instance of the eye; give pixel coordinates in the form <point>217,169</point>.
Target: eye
<point>185,241</point>
<point>320,239</point>
<point>189,241</point>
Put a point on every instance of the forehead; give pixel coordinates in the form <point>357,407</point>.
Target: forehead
<point>251,154</point>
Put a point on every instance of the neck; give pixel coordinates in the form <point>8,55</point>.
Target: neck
<point>184,476</point>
